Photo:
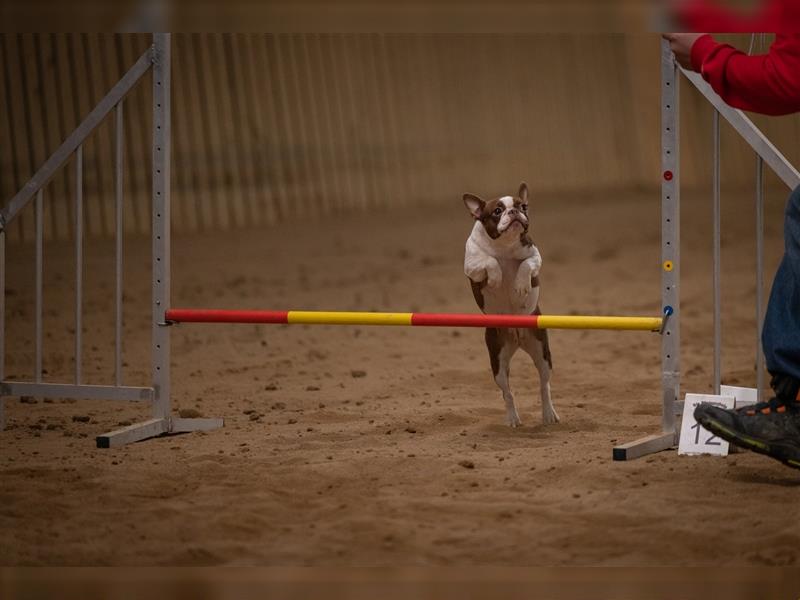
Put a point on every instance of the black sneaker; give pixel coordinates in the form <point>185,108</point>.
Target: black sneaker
<point>771,428</point>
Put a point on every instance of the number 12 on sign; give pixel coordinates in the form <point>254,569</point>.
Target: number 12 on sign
<point>711,439</point>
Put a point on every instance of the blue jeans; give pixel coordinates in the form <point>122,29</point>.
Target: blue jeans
<point>781,333</point>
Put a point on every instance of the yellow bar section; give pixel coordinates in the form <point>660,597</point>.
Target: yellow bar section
<point>313,317</point>
<point>580,322</point>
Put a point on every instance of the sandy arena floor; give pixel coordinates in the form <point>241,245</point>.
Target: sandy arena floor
<point>345,446</point>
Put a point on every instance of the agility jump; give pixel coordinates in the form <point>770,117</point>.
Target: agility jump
<point>158,60</point>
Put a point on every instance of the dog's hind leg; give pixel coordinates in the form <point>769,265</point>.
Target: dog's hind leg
<point>501,349</point>
<point>537,346</point>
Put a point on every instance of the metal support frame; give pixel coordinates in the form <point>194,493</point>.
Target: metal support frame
<point>83,391</point>
<point>158,57</point>
<point>670,268</point>
<point>672,405</point>
<point>39,216</point>
<point>78,263</point>
<point>162,421</point>
<point>118,193</point>
<point>2,323</point>
<point>76,138</point>
<point>766,153</point>
<point>717,255</point>
<point>760,367</point>
<point>162,135</point>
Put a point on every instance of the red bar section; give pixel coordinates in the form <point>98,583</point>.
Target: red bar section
<point>473,320</point>
<point>198,315</point>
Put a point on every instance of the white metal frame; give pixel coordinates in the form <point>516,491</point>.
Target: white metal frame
<point>670,267</point>
<point>157,58</point>
<point>766,152</point>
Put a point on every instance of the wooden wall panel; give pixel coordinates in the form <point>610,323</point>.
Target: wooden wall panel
<point>275,127</point>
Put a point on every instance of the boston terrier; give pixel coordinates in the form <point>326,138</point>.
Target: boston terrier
<point>503,267</point>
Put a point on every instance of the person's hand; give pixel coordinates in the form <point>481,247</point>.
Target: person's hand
<point>681,44</point>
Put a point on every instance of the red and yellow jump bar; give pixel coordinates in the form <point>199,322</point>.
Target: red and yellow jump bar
<point>314,317</point>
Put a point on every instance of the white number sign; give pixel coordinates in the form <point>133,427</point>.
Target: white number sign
<point>744,396</point>
<point>694,438</point>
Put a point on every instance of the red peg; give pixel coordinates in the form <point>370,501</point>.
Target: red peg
<point>668,175</point>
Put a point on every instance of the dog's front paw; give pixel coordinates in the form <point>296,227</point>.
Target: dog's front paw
<point>494,277</point>
<point>512,419</point>
<point>522,286</point>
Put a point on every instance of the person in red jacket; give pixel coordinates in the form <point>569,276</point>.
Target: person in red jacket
<point>769,84</point>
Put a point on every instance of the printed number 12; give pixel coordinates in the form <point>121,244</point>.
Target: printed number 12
<point>709,441</point>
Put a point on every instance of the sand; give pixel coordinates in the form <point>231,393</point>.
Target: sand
<point>360,446</point>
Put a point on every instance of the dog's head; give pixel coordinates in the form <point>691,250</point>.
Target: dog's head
<point>504,215</point>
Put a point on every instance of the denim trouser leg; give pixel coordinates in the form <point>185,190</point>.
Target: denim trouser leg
<point>781,333</point>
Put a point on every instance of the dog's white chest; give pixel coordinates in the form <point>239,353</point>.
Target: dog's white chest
<point>504,299</point>
<point>507,296</point>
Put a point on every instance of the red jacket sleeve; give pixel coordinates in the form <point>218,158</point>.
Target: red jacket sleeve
<point>767,83</point>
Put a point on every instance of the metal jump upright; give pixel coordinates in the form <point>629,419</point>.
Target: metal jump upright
<point>157,58</point>
<point>670,267</point>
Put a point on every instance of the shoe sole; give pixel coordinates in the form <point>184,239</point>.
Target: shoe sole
<point>788,455</point>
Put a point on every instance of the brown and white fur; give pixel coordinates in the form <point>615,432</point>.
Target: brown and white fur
<point>503,265</point>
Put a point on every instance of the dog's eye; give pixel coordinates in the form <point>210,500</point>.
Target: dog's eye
<point>524,208</point>
<point>498,211</point>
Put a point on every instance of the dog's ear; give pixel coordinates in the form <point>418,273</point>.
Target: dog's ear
<point>474,205</point>
<point>523,191</point>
